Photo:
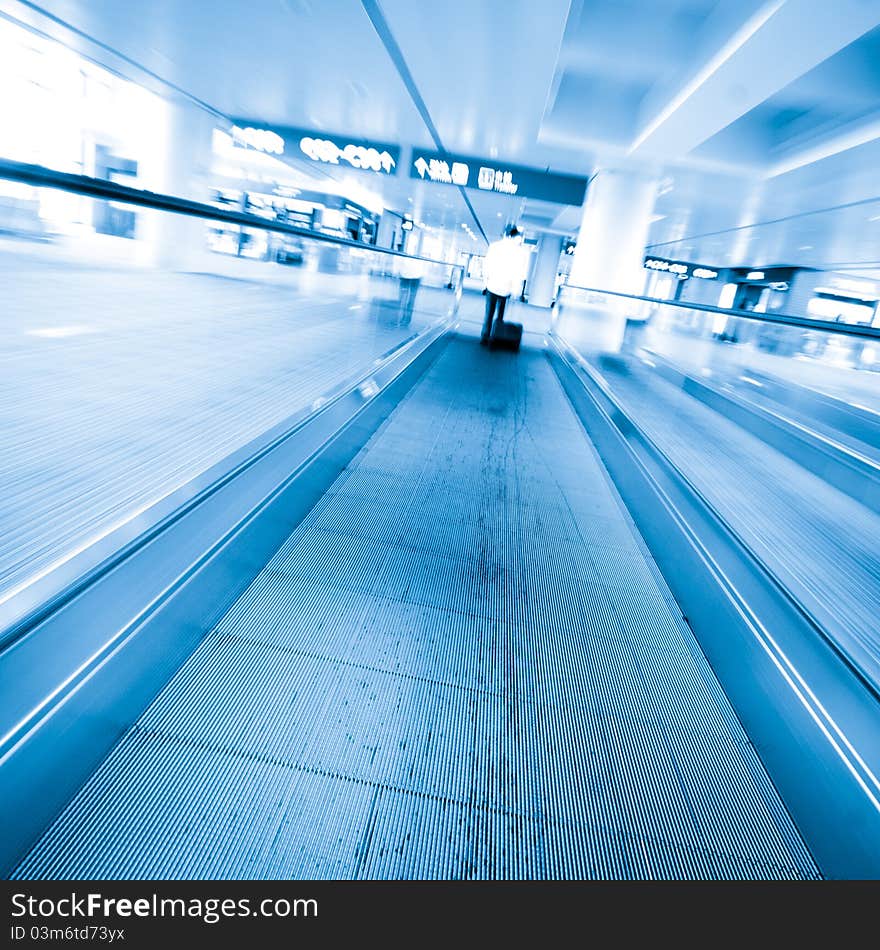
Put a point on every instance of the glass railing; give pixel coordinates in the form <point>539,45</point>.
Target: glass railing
<point>804,363</point>
<point>775,420</point>
<point>142,347</point>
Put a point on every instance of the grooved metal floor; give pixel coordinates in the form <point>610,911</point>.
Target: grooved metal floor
<point>462,664</point>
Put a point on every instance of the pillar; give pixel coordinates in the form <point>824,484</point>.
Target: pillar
<point>614,231</point>
<point>178,242</point>
<point>412,242</point>
<point>388,224</point>
<point>542,285</point>
<point>609,256</point>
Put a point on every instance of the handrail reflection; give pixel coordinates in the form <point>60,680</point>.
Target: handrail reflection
<point>784,319</point>
<point>39,176</point>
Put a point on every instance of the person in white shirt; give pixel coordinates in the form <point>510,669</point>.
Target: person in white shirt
<point>504,272</point>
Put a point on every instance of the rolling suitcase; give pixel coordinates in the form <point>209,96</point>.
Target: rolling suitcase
<point>506,336</point>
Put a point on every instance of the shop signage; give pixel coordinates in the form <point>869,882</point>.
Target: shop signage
<point>263,140</point>
<point>672,267</point>
<point>484,174</point>
<point>322,147</point>
<point>681,269</point>
<point>853,289</point>
<point>766,276</point>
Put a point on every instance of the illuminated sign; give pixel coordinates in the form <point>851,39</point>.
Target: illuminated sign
<point>845,294</point>
<point>755,275</point>
<point>854,289</point>
<point>653,263</point>
<point>495,179</point>
<point>483,174</point>
<point>681,269</point>
<point>263,140</point>
<point>358,156</point>
<point>323,147</point>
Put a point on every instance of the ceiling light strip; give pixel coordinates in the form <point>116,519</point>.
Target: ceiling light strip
<point>833,146</point>
<point>735,43</point>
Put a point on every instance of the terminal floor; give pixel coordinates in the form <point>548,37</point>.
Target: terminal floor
<point>819,542</point>
<point>118,385</point>
<point>462,664</point>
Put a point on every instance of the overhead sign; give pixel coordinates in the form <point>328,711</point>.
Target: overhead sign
<point>485,174</point>
<point>322,147</point>
<point>681,269</point>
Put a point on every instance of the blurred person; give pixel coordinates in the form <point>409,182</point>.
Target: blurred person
<point>504,271</point>
<point>409,275</point>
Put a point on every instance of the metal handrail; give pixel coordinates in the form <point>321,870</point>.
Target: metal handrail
<point>785,319</point>
<point>41,177</point>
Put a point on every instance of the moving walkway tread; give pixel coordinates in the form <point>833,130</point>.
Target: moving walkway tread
<point>462,664</point>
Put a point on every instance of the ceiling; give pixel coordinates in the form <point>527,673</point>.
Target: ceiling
<point>759,118</point>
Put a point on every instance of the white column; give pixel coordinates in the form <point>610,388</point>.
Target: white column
<point>614,231</point>
<point>609,256</point>
<point>388,222</point>
<point>178,242</point>
<point>542,284</point>
<point>413,242</point>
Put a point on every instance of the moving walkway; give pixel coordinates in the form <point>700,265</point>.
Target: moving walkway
<point>463,619</point>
